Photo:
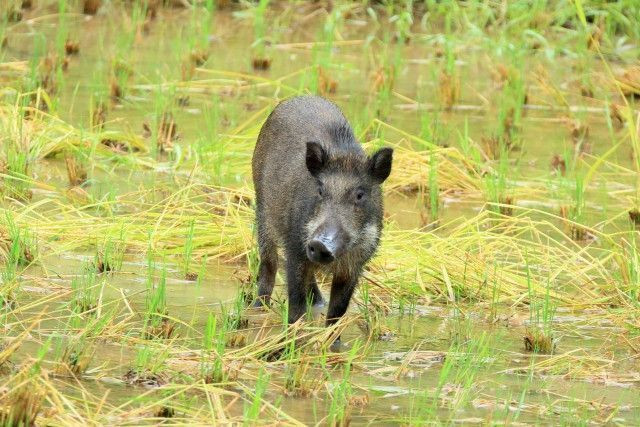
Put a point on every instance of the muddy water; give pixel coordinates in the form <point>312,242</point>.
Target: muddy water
<point>396,372</point>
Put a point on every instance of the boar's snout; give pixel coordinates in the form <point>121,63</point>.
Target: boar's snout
<point>327,244</point>
<point>318,251</point>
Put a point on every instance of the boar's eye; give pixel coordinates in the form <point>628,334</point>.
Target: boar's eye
<point>360,193</point>
<point>320,190</point>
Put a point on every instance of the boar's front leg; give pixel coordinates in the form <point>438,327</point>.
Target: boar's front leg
<point>299,273</point>
<point>342,288</point>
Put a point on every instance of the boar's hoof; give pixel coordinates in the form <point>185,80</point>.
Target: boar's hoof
<point>337,346</point>
<point>260,302</point>
<point>320,303</point>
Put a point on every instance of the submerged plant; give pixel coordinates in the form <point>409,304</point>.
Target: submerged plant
<point>339,410</point>
<point>148,369</point>
<point>17,246</point>
<point>17,178</point>
<point>157,323</point>
<point>575,214</point>
<point>434,191</point>
<point>26,392</point>
<point>449,79</point>
<point>188,252</point>
<point>299,381</point>
<point>109,256</point>
<point>372,323</point>
<point>252,408</point>
<point>498,194</point>
<point>260,59</point>
<point>539,335</point>
<point>75,357</point>
<point>17,249</point>
<point>76,170</point>
<point>85,291</point>
<point>214,339</point>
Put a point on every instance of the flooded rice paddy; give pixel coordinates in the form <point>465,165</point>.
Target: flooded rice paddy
<point>506,287</point>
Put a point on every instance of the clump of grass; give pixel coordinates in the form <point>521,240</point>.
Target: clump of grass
<point>76,171</point>
<point>339,410</point>
<point>299,379</point>
<point>579,131</point>
<point>157,323</point>
<point>24,397</point>
<point>165,132</point>
<point>253,407</point>
<point>17,174</point>
<point>75,358</point>
<point>628,260</point>
<point>575,214</point>
<point>372,323</point>
<point>434,189</point>
<point>383,81</point>
<point>449,80</point>
<point>91,7</point>
<point>402,21</point>
<point>15,253</point>
<point>537,341</point>
<point>245,296</point>
<point>497,189</point>
<point>17,246</point>
<point>85,293</point>
<point>634,216</point>
<point>261,61</point>
<point>71,47</point>
<point>214,343</point>
<point>616,115</point>
<point>322,81</point>
<point>165,412</point>
<point>559,164</point>
<point>449,85</point>
<point>76,348</point>
<point>23,403</point>
<point>629,81</point>
<point>511,99</point>
<point>196,58</point>
<point>188,253</point>
<point>109,256</point>
<point>460,370</point>
<point>149,368</point>
<point>120,74</point>
<point>98,115</point>
<point>326,85</point>
<point>50,71</point>
<point>11,14</point>
<point>539,336</point>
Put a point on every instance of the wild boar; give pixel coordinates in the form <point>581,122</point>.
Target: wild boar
<point>319,199</point>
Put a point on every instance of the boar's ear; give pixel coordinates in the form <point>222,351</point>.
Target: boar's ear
<point>379,164</point>
<point>316,157</point>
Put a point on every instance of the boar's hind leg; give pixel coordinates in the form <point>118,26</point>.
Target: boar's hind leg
<point>314,293</point>
<point>342,288</point>
<point>298,275</point>
<point>267,270</point>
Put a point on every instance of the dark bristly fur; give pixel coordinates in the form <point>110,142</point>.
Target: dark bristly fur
<point>318,198</point>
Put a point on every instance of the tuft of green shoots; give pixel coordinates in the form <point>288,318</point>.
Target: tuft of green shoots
<point>252,408</point>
